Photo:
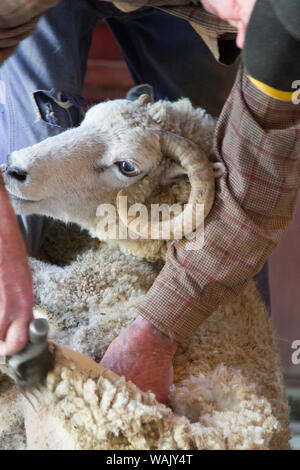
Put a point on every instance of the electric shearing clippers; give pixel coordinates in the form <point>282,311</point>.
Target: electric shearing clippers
<point>30,366</point>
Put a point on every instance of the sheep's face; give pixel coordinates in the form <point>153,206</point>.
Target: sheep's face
<point>68,176</point>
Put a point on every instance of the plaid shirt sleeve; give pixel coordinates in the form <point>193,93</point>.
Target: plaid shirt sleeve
<point>258,139</point>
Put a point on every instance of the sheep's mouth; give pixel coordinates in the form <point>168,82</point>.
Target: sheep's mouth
<point>15,198</point>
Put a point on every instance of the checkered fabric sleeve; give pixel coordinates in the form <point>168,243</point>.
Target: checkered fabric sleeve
<point>258,139</point>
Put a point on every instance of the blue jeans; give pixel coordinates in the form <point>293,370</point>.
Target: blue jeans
<point>43,80</point>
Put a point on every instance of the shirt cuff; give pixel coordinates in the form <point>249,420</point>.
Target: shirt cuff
<point>184,321</point>
<point>273,92</point>
<point>270,111</point>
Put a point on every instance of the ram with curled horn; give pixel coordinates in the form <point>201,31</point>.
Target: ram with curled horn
<point>228,391</point>
<point>201,174</point>
<point>138,149</point>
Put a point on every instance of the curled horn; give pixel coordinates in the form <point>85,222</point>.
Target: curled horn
<point>201,176</point>
<point>144,99</point>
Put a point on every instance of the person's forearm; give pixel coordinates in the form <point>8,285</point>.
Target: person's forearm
<point>18,19</point>
<point>21,14</point>
<point>258,138</point>
<point>14,13</point>
<point>8,220</point>
<point>16,295</point>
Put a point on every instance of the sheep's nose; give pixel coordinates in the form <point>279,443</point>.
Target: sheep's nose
<point>16,173</point>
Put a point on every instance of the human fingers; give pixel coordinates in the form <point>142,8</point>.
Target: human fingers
<point>16,337</point>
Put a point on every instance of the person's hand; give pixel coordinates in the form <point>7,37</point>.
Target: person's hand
<point>236,12</point>
<point>10,37</point>
<point>16,296</point>
<point>144,356</point>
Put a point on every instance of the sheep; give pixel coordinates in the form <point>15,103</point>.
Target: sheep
<point>228,391</point>
<point>111,135</point>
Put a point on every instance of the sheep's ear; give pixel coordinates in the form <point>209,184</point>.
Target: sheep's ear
<point>144,93</point>
<point>172,173</point>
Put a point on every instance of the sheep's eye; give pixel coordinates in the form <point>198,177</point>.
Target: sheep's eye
<point>127,168</point>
